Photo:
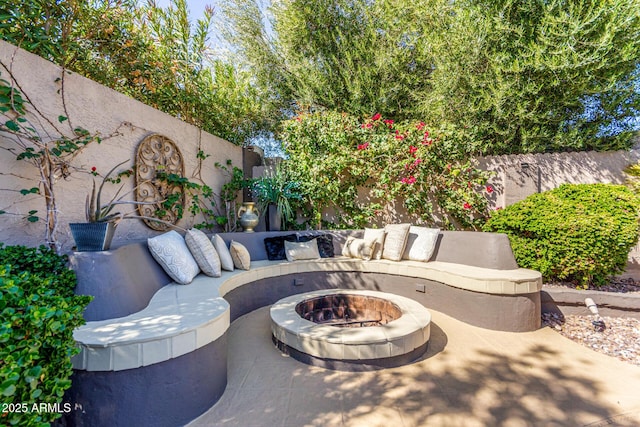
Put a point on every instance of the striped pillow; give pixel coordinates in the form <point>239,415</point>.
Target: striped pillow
<point>203,252</point>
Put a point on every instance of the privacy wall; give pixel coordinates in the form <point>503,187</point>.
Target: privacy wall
<point>122,123</point>
<point>518,176</point>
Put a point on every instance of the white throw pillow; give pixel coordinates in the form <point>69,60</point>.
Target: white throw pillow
<point>395,241</point>
<point>223,252</point>
<point>240,255</point>
<point>359,248</point>
<point>203,252</point>
<point>301,250</point>
<point>172,253</point>
<point>377,234</point>
<point>421,243</point>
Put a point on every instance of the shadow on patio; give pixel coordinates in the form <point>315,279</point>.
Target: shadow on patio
<point>468,377</point>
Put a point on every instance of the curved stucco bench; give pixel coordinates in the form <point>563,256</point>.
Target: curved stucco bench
<point>181,332</point>
<point>180,319</point>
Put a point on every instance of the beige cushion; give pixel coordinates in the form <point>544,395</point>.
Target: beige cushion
<point>226,262</point>
<point>420,243</point>
<point>301,250</point>
<point>378,235</point>
<point>172,253</point>
<point>240,255</point>
<point>203,252</point>
<point>359,248</point>
<point>395,241</point>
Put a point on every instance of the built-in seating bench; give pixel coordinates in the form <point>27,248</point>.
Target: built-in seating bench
<point>154,352</point>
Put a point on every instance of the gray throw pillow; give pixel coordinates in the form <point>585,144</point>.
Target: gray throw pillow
<point>226,261</point>
<point>203,252</point>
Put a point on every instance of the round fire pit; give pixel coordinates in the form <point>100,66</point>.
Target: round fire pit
<point>348,310</point>
<point>351,329</point>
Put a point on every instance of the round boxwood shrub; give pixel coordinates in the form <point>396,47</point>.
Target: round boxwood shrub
<point>38,313</point>
<point>580,233</point>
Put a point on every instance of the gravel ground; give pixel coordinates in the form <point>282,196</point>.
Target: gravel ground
<point>624,285</point>
<point>621,336</point>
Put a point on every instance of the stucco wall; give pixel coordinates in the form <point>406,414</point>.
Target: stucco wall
<point>518,176</point>
<point>97,109</point>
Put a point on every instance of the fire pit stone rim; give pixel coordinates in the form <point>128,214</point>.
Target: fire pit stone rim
<point>397,337</point>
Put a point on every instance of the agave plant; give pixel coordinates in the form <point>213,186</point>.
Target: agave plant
<point>95,211</point>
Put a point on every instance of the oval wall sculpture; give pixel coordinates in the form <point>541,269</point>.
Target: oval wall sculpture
<point>157,153</point>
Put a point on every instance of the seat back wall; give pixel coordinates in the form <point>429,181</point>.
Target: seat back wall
<point>122,281</point>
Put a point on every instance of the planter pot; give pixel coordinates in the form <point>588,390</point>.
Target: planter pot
<point>274,221</point>
<point>92,236</point>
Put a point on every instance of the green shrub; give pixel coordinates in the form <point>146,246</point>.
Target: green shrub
<point>38,313</point>
<point>577,233</point>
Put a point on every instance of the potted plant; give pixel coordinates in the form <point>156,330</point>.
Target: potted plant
<point>274,194</point>
<point>96,234</point>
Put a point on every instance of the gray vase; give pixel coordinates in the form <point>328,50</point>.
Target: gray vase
<point>274,221</point>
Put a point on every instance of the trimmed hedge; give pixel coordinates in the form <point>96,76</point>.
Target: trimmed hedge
<point>580,233</point>
<point>38,313</point>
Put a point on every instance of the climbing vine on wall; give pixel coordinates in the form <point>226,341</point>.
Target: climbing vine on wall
<point>49,145</point>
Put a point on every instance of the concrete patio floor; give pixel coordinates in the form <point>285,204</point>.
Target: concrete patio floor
<point>468,377</point>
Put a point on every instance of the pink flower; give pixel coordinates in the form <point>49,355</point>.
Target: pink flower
<point>421,126</point>
<point>363,146</point>
<point>489,189</point>
<point>410,180</point>
<point>376,116</point>
<point>466,206</point>
<point>425,139</point>
<point>367,125</point>
<point>389,123</point>
<point>413,149</point>
<point>417,162</point>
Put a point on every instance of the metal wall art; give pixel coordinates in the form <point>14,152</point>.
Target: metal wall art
<point>158,154</point>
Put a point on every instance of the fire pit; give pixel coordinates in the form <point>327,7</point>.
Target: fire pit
<point>348,310</point>
<point>350,329</point>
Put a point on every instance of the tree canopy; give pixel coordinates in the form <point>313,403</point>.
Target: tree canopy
<point>544,75</point>
<point>535,76</point>
<point>353,56</point>
<point>153,54</point>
